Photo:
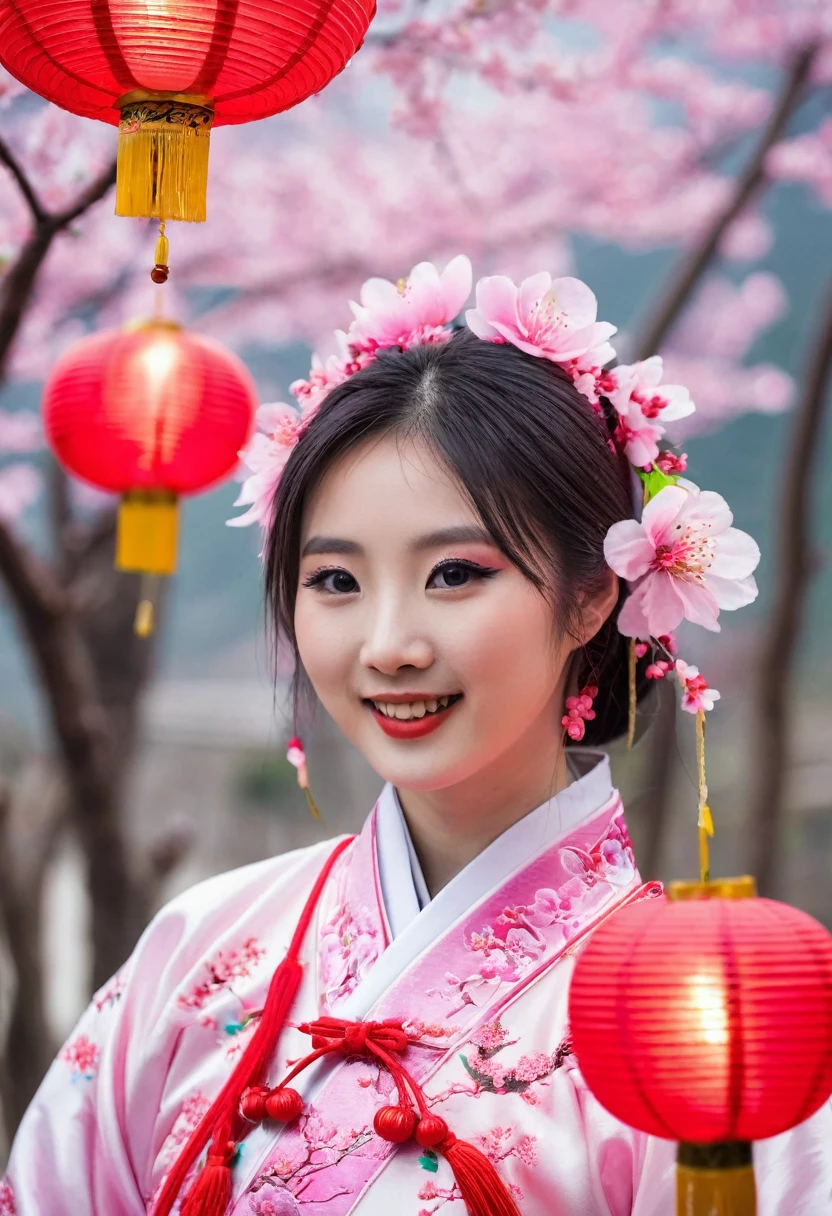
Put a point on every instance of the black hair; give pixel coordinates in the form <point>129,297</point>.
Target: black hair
<point>535,459</point>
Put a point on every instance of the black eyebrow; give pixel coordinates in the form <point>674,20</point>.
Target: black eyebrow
<point>460,535</point>
<point>330,544</point>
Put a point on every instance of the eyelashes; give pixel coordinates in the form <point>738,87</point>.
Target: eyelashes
<point>456,574</point>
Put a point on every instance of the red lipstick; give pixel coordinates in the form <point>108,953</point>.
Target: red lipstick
<point>413,728</point>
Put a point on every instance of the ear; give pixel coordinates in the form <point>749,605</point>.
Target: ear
<point>596,606</point>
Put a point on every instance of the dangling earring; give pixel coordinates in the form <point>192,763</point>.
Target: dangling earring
<point>578,711</point>
<point>297,757</point>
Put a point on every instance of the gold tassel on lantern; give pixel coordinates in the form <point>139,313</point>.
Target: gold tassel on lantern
<point>148,525</point>
<point>163,145</point>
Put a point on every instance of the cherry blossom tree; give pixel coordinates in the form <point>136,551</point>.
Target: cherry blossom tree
<point>502,127</point>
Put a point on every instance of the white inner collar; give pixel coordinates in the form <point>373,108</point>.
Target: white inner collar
<point>403,885</point>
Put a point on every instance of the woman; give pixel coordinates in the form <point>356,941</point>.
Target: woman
<point>447,520</point>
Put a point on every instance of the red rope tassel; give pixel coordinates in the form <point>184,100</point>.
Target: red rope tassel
<point>221,1125</point>
<point>483,1190</point>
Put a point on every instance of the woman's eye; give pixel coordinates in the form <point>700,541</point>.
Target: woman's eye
<point>450,575</point>
<point>332,582</point>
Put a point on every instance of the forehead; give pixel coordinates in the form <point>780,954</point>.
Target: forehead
<point>387,484</point>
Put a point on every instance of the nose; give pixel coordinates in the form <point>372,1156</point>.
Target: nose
<point>392,643</point>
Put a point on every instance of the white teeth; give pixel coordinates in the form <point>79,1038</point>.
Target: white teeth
<point>411,709</point>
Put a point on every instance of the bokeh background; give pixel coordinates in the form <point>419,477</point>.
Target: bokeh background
<point>678,156</point>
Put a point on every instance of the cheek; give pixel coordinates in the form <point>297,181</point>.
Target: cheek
<point>325,646</point>
<point>508,648</point>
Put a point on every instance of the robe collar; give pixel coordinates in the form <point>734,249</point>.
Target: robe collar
<point>404,892</point>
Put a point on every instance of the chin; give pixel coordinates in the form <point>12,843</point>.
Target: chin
<point>421,766</point>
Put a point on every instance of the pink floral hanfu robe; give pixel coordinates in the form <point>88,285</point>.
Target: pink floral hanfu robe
<point>479,976</point>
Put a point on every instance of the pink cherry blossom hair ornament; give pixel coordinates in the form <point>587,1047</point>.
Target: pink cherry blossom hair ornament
<point>683,559</point>
<point>416,311</point>
<point>296,756</point>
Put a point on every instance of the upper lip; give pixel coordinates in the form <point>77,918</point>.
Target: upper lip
<point>403,698</point>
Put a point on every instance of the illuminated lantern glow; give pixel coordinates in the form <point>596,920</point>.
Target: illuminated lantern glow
<point>150,413</point>
<point>707,1018</point>
<point>165,72</point>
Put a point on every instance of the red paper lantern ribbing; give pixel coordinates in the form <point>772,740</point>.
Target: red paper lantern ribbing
<point>706,1020</point>
<point>165,73</point>
<point>151,413</point>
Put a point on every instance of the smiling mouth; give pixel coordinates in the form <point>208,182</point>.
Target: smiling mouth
<point>413,711</point>
<point>412,718</point>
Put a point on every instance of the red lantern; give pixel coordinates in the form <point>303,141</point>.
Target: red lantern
<point>707,1019</point>
<point>164,73</point>
<point>150,413</point>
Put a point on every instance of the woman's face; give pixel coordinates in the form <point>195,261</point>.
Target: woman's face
<point>431,651</point>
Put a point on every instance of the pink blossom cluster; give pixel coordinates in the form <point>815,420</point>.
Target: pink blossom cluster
<point>225,967</point>
<point>82,1055</point>
<point>697,697</point>
<point>579,711</point>
<point>413,312</point>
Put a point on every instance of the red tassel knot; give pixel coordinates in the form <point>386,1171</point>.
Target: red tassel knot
<point>356,1038</point>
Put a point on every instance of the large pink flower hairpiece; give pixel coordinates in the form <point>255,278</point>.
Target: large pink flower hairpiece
<point>683,559</point>
<point>413,312</point>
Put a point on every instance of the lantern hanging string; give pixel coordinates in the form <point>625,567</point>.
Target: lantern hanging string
<point>705,820</point>
<point>161,270</point>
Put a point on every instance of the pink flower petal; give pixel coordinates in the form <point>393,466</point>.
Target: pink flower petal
<point>380,295</point>
<point>660,514</point>
<point>531,292</point>
<point>631,619</point>
<point>700,607</point>
<point>707,507</point>
<point>737,555</point>
<point>627,550</point>
<point>734,592</point>
<point>497,301</point>
<point>662,602</point>
<point>478,325</point>
<point>572,296</point>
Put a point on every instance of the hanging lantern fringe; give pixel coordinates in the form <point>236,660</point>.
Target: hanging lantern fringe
<point>715,1178</point>
<point>163,145</point>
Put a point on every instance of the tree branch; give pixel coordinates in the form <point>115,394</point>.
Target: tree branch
<point>695,264</point>
<point>795,569</point>
<point>8,158</point>
<point>19,280</point>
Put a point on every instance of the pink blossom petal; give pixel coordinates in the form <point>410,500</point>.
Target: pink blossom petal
<point>574,344</point>
<point>457,279</point>
<point>700,607</point>
<point>706,506</point>
<point>662,602</point>
<point>660,515</point>
<point>480,327</point>
<point>734,592</point>
<point>737,555</point>
<point>497,301</point>
<point>631,619</point>
<point>679,404</point>
<point>532,291</point>
<point>380,295</point>
<point>574,297</point>
<point>627,550</point>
